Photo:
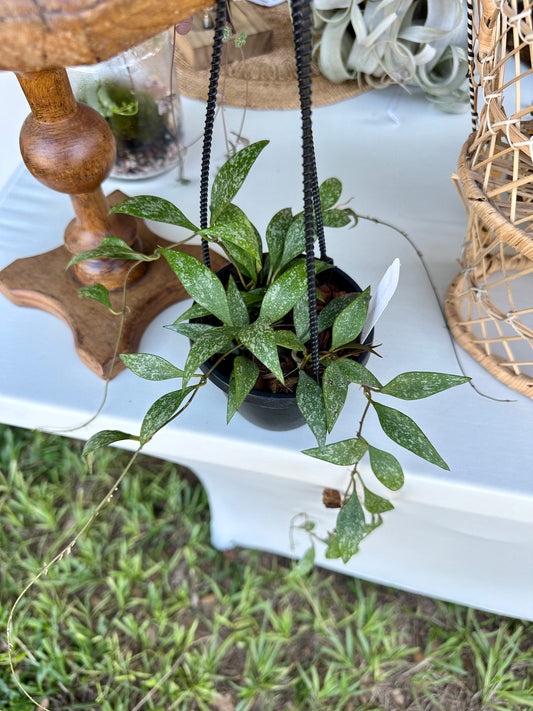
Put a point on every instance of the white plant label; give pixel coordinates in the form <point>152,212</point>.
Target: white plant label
<point>381,297</point>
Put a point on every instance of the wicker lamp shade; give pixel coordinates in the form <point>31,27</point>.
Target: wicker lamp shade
<point>489,305</point>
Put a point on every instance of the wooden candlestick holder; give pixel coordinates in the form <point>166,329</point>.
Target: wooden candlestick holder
<point>69,147</point>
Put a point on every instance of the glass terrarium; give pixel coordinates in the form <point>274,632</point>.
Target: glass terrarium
<point>137,93</point>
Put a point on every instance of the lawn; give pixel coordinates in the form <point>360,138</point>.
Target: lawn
<point>145,613</point>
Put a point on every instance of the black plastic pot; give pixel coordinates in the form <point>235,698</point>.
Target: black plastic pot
<point>279,411</point>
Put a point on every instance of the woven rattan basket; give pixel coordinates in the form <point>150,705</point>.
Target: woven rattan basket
<point>489,305</point>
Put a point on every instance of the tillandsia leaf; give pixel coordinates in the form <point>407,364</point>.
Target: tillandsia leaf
<point>287,339</point>
<point>339,218</point>
<point>154,208</point>
<point>191,330</point>
<point>349,323</point>
<point>311,404</point>
<point>294,240</point>
<point>231,176</point>
<point>245,373</point>
<point>350,527</point>
<point>195,311</point>
<point>335,389</point>
<point>161,412</point>
<point>150,366</point>
<point>330,193</point>
<point>275,236</point>
<point>200,283</point>
<point>284,292</point>
<point>331,310</point>
<point>213,341</point>
<point>110,248</point>
<point>98,293</point>
<point>236,304</point>
<point>386,468</point>
<point>233,226</point>
<point>103,438</point>
<point>301,318</point>
<point>405,432</point>
<point>259,338</point>
<point>354,372</point>
<point>347,452</point>
<point>416,385</point>
<point>376,504</point>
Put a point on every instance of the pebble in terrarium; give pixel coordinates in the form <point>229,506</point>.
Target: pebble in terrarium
<point>137,93</point>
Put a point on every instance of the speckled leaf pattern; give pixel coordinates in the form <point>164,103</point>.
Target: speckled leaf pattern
<point>284,292</point>
<point>350,528</point>
<point>110,248</point>
<point>103,438</point>
<point>200,283</point>
<point>386,468</point>
<point>330,192</point>
<point>150,207</point>
<point>150,366</point>
<point>97,292</point>
<point>161,411</point>
<point>354,372</point>
<point>191,330</point>
<point>311,403</point>
<point>233,226</point>
<point>347,452</point>
<point>294,240</point>
<point>246,373</point>
<point>275,235</point>
<point>335,390</point>
<point>337,218</point>
<point>246,263</point>
<point>231,404</point>
<point>195,311</point>
<point>419,384</point>
<point>333,550</point>
<point>231,176</point>
<point>259,339</point>
<point>405,432</point>
<point>237,307</point>
<point>287,339</point>
<point>331,310</point>
<point>301,318</point>
<point>376,504</point>
<point>349,323</point>
<point>213,341</point>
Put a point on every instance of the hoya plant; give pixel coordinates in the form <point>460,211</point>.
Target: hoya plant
<point>254,322</point>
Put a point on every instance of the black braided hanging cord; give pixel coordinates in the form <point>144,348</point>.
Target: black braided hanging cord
<point>301,21</point>
<point>220,21</point>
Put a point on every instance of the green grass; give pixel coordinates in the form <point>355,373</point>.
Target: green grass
<point>145,606</point>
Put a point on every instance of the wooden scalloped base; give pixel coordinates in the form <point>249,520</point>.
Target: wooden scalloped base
<point>42,282</point>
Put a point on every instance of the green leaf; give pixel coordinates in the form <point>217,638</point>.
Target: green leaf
<point>243,260</point>
<point>330,192</point>
<point>237,307</point>
<point>311,403</point>
<point>231,176</point>
<point>103,438</point>
<point>405,432</point>
<point>386,468</point>
<point>150,367</point>
<point>195,311</point>
<point>350,527</point>
<point>200,283</point>
<point>259,338</point>
<point>301,318</point>
<point>376,504</point>
<point>161,412</point>
<point>154,208</point>
<point>335,390</point>
<point>339,218</point>
<point>233,226</point>
<point>347,452</point>
<point>419,384</point>
<point>332,309</point>
<point>245,373</point>
<point>306,563</point>
<point>294,240</point>
<point>97,292</point>
<point>284,292</point>
<point>333,550</point>
<point>213,341</point>
<point>354,372</point>
<point>110,248</point>
<point>349,323</point>
<point>275,235</point>
<point>191,330</point>
<point>287,339</point>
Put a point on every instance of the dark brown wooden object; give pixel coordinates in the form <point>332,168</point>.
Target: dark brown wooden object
<point>69,147</point>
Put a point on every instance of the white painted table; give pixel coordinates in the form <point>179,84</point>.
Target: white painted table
<point>464,535</point>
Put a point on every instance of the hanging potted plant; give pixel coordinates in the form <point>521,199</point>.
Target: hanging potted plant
<point>278,328</point>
